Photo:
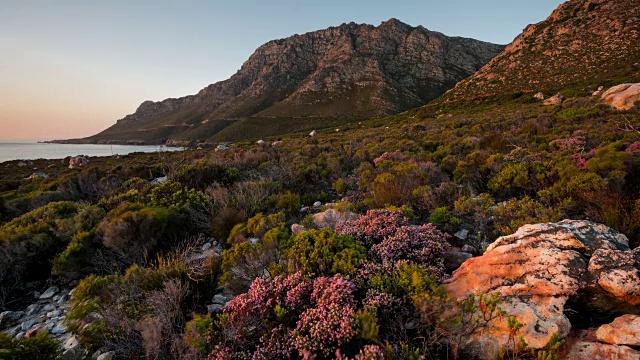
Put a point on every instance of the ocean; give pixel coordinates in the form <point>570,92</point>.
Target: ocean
<point>20,150</point>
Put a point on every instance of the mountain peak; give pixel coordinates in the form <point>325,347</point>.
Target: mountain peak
<point>337,74</point>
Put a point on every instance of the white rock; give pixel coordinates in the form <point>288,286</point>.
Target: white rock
<point>462,234</point>
<point>48,294</point>
<point>106,356</point>
<point>260,142</point>
<point>206,246</point>
<point>59,328</point>
<point>313,133</point>
<point>72,343</point>
<point>317,204</point>
<point>10,316</point>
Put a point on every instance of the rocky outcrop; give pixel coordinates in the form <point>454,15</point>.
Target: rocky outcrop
<point>538,269</point>
<point>587,350</point>
<point>353,71</point>
<point>330,218</point>
<point>581,42</point>
<point>624,330</point>
<point>622,97</point>
<point>556,99</point>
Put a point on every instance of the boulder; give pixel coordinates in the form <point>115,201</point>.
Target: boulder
<point>297,229</point>
<point>462,234</point>
<point>537,270</point>
<point>539,96</point>
<point>587,350</point>
<point>276,143</point>
<point>556,99</point>
<point>454,258</point>
<point>72,343</point>
<point>618,273</point>
<point>624,330</point>
<point>470,249</point>
<point>623,96</point>
<point>313,133</point>
<point>222,148</point>
<point>9,316</point>
<point>106,356</point>
<point>330,218</point>
<point>317,204</point>
<point>49,293</point>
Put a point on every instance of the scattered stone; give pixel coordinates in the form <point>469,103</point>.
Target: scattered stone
<point>222,148</point>
<point>317,204</point>
<point>597,93</point>
<point>27,324</point>
<point>304,209</point>
<point>213,308</point>
<point>59,328</point>
<point>539,96</point>
<point>78,161</point>
<point>206,246</point>
<point>470,249</point>
<point>106,356</point>
<point>624,330</point>
<point>330,218</point>
<point>276,143</point>
<point>623,96</point>
<point>556,99</point>
<point>8,316</point>
<point>72,343</point>
<point>38,175</point>
<point>297,229</point>
<point>454,258</point>
<point>160,180</point>
<point>462,234</point>
<point>49,293</point>
<point>220,299</point>
<point>260,142</point>
<point>313,133</point>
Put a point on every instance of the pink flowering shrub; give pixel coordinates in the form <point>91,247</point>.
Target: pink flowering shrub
<point>286,318</point>
<point>573,143</point>
<point>390,239</point>
<point>633,148</point>
<point>374,226</point>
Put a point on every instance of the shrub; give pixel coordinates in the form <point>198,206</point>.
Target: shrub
<point>289,203</point>
<point>38,347</point>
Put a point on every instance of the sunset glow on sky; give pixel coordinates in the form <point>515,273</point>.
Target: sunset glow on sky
<point>72,68</point>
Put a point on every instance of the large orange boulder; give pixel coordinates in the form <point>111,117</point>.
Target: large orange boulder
<point>538,269</point>
<point>624,330</point>
<point>623,96</point>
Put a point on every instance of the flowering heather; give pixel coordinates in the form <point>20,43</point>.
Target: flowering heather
<point>391,239</point>
<point>374,226</point>
<point>288,316</point>
<point>579,160</point>
<point>368,352</point>
<point>633,148</point>
<point>330,322</point>
<point>574,143</point>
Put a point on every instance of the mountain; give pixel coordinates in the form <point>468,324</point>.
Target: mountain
<point>581,45</point>
<point>318,79</point>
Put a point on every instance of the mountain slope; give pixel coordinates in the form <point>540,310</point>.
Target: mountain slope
<point>583,43</point>
<point>322,78</point>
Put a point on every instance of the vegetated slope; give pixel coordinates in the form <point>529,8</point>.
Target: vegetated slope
<point>583,44</point>
<point>348,72</point>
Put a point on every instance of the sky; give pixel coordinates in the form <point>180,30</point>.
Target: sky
<point>70,69</point>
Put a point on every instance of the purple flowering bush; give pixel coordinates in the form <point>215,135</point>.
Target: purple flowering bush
<point>288,317</point>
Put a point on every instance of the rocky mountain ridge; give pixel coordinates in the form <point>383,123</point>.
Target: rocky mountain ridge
<point>352,71</point>
<point>583,44</point>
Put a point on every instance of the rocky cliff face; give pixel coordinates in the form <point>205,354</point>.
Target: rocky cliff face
<point>350,71</point>
<point>583,43</point>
